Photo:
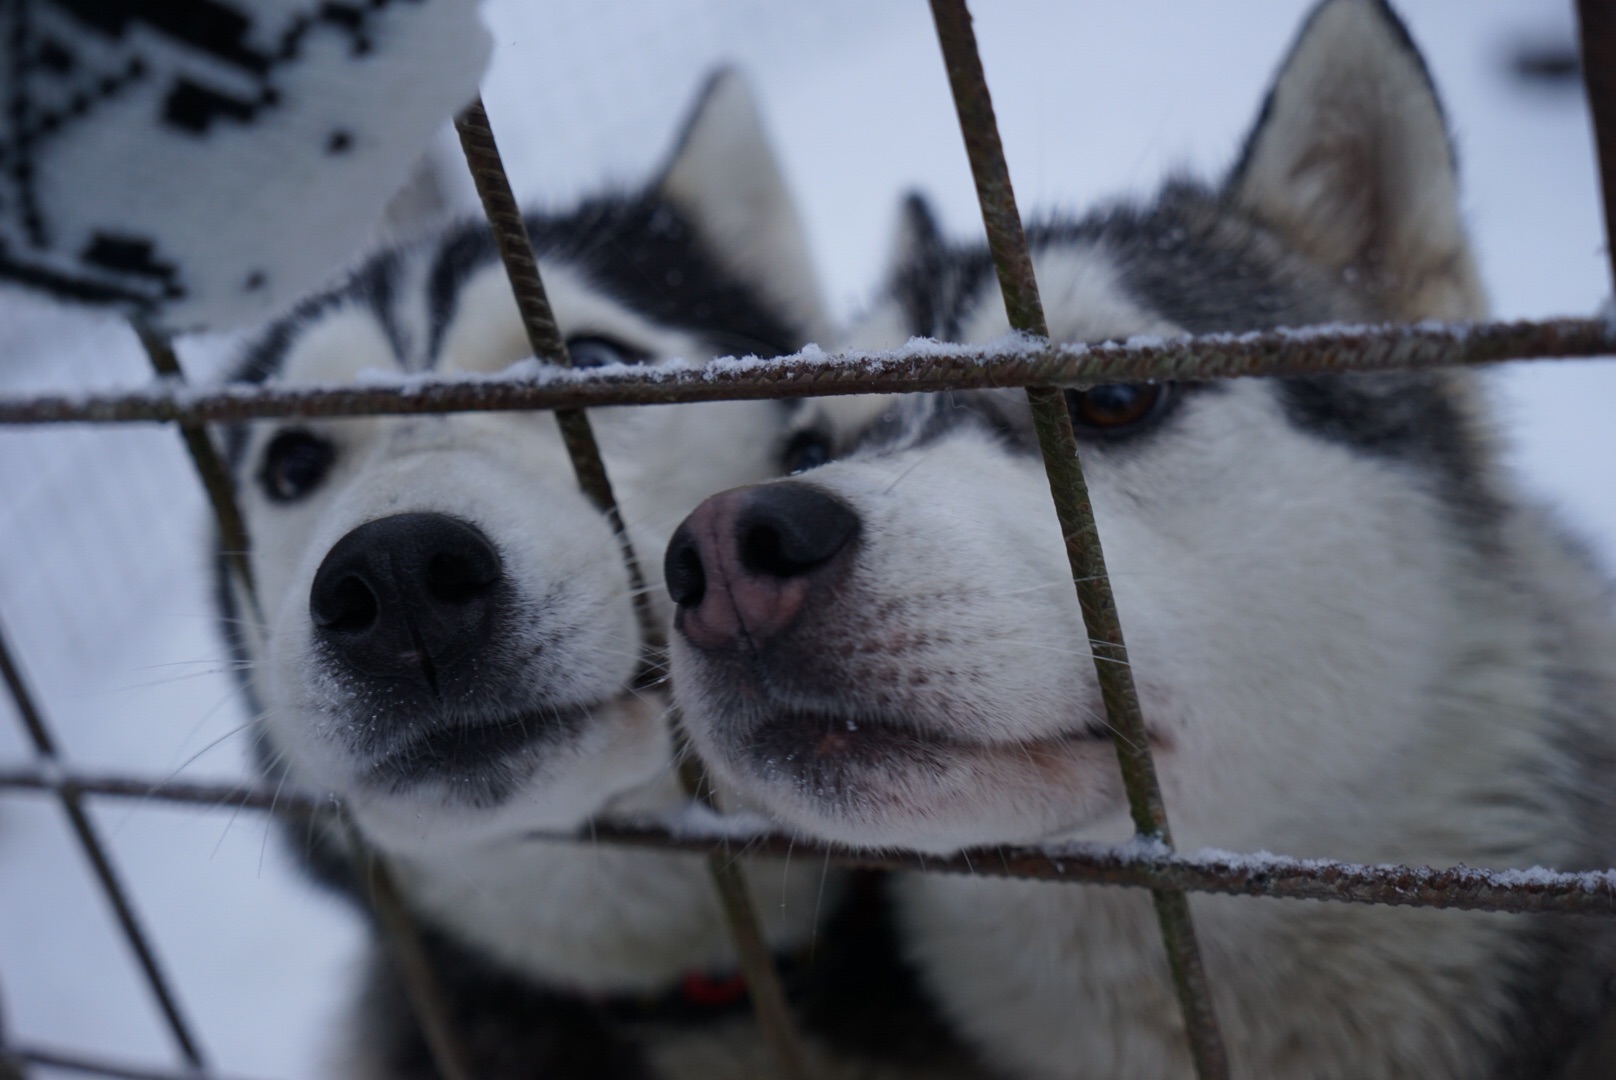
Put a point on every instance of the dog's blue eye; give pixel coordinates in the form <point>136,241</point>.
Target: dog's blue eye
<point>294,464</point>
<point>1117,408</point>
<point>596,351</point>
<point>806,450</point>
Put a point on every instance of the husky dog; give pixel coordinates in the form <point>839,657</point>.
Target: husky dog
<point>1351,638</point>
<point>448,642</point>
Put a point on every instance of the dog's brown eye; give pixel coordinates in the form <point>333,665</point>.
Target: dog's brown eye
<point>1117,408</point>
<point>806,450</point>
<point>294,464</point>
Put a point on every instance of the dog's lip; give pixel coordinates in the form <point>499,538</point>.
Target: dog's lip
<point>830,734</point>
<point>450,751</point>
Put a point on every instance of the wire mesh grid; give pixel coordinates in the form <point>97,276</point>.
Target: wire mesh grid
<point>1147,862</point>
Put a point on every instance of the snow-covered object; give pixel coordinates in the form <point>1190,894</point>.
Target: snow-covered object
<point>204,162</point>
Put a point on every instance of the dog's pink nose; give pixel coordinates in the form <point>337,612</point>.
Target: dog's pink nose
<point>742,566</point>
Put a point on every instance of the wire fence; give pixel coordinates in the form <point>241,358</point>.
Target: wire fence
<point>1039,366</point>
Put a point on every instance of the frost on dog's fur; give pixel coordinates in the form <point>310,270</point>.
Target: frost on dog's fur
<point>448,640</point>
<point>1351,639</point>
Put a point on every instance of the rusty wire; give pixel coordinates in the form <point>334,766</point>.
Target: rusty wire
<point>920,369</point>
<point>399,934</point>
<point>450,1055</point>
<point>89,839</point>
<point>544,337</point>
<point>1534,891</point>
<point>27,1054</point>
<point>1597,33</point>
<point>1086,559</point>
<point>210,466</point>
<point>538,323</point>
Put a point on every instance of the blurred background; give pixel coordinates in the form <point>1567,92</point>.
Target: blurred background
<point>103,573</point>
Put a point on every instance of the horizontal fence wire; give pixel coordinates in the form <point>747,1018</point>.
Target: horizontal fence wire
<point>1007,242</point>
<point>1138,864</point>
<point>919,368</point>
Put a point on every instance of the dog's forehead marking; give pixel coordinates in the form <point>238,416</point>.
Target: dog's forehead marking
<point>843,418</point>
<point>337,346</point>
<point>1084,300</point>
<point>487,335</point>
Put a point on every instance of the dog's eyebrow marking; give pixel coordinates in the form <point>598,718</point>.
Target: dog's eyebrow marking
<point>921,419</point>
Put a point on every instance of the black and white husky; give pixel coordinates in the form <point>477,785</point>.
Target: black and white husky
<point>1351,638</point>
<point>448,640</point>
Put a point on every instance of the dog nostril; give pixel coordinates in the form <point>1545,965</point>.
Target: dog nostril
<point>462,576</point>
<point>682,569</point>
<point>789,529</point>
<point>763,551</point>
<point>347,606</point>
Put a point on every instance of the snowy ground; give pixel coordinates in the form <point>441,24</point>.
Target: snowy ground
<point>102,584</point>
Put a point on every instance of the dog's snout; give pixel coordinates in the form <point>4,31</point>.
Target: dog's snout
<point>406,596</point>
<point>744,564</point>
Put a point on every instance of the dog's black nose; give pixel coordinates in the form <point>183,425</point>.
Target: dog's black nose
<point>406,596</point>
<point>785,530</point>
<point>746,562</point>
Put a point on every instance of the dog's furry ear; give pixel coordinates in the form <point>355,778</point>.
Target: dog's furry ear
<point>438,190</point>
<point>915,256</point>
<point>917,241</point>
<point>1351,163</point>
<point>724,175</point>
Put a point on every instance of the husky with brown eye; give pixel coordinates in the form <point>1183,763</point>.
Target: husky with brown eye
<point>448,643</point>
<point>1352,637</point>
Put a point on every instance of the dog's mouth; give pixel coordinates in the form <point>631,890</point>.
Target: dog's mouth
<point>476,754</point>
<point>821,745</point>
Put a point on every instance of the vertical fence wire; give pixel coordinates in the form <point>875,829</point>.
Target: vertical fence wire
<point>1597,30</point>
<point>1011,258</point>
<point>399,933</point>
<point>544,337</point>
<point>763,986</point>
<point>209,464</point>
<point>10,1063</point>
<point>433,1010</point>
<point>89,840</point>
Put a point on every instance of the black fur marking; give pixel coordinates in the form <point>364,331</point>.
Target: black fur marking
<point>641,250</point>
<point>853,992</point>
<point>510,1028</point>
<point>374,285</point>
<point>1205,266</point>
<point>1407,418</point>
<point>919,419</point>
<point>915,283</point>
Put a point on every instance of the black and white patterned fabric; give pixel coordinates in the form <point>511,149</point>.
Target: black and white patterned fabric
<point>201,163</point>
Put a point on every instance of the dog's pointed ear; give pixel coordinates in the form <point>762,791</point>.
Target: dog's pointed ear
<point>723,174</point>
<point>917,240</point>
<point>436,192</point>
<point>914,257</point>
<point>1351,163</point>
